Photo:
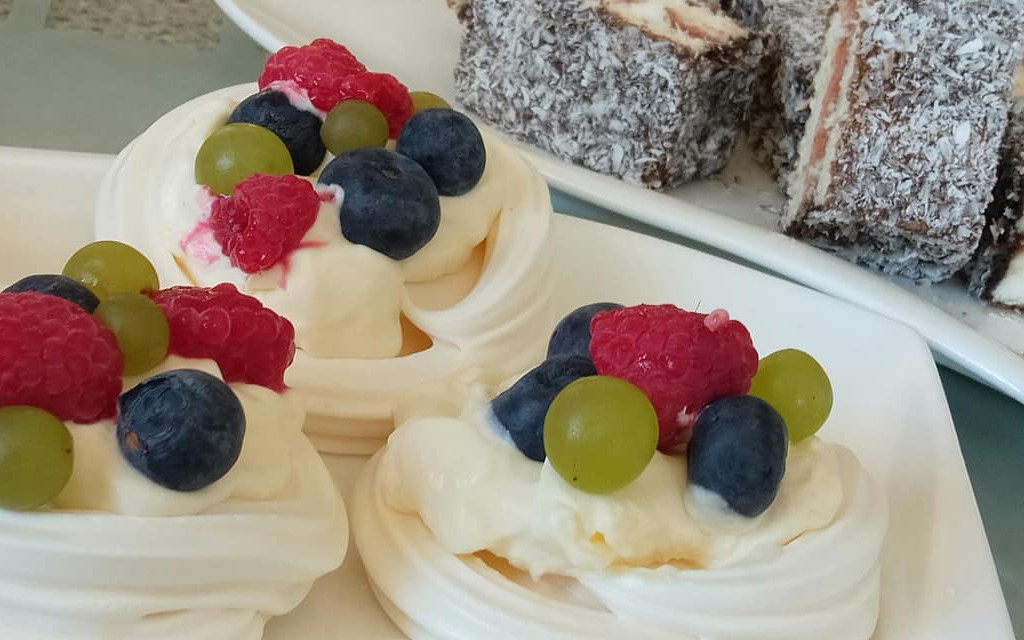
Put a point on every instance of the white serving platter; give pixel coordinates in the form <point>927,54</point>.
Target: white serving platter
<point>729,212</point>
<point>939,580</point>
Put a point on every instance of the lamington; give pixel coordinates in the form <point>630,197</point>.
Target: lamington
<point>898,161</point>
<point>651,91</point>
<point>997,271</point>
<point>781,101</point>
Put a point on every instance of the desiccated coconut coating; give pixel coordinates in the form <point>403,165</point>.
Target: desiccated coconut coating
<point>899,157</point>
<point>782,91</point>
<point>1003,235</point>
<point>577,79</point>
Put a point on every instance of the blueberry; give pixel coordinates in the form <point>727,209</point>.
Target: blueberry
<point>521,408</point>
<point>572,333</point>
<point>749,13</point>
<point>298,129</point>
<point>59,286</point>
<point>448,145</point>
<point>389,203</point>
<point>182,429</point>
<point>738,451</point>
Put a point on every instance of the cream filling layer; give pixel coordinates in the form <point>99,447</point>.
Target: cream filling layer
<point>1010,290</point>
<point>695,27</point>
<point>810,182</point>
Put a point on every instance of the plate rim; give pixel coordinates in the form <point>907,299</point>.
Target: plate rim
<point>89,164</point>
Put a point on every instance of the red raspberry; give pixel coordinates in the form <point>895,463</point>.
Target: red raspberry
<point>385,92</point>
<point>317,67</point>
<point>264,219</point>
<point>57,357</point>
<point>680,359</point>
<point>249,342</point>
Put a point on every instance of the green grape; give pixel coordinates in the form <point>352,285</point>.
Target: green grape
<point>796,386</point>
<point>140,328</point>
<point>236,151</point>
<point>354,124</point>
<point>107,267</point>
<point>425,100</point>
<point>36,456</point>
<point>600,433</point>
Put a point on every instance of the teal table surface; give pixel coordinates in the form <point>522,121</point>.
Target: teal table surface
<point>86,91</point>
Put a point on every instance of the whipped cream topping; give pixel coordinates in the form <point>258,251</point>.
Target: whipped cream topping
<point>360,317</point>
<point>296,95</point>
<point>480,289</point>
<point>543,525</point>
<point>118,556</point>
<point>451,533</point>
<point>103,480</point>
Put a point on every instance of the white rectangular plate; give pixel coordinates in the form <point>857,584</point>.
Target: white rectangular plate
<point>939,581</point>
<point>727,212</point>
